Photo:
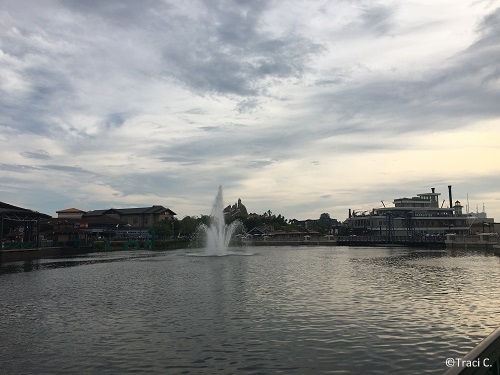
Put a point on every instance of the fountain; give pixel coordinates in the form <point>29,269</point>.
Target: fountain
<point>217,235</point>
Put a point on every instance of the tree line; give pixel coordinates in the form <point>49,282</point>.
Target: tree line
<point>187,226</point>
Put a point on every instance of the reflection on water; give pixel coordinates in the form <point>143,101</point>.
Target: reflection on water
<point>282,310</point>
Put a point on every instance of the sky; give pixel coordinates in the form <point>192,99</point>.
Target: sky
<point>298,107</point>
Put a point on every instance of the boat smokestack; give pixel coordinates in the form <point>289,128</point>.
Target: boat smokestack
<point>449,194</point>
<point>433,190</point>
<point>350,215</point>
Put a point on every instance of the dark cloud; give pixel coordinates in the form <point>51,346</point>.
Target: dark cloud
<point>257,164</point>
<point>377,19</point>
<point>248,105</point>
<point>23,168</point>
<point>68,169</point>
<point>125,14</point>
<point>183,160</point>
<point>210,128</point>
<point>114,120</point>
<point>225,51</point>
<point>38,154</point>
<point>19,168</point>
<point>195,111</point>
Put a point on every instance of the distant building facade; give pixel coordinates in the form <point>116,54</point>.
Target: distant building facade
<point>70,213</point>
<point>143,217</point>
<point>73,223</point>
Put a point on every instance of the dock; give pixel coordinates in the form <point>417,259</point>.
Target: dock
<point>482,241</point>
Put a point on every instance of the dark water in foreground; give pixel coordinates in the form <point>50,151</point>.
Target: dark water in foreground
<point>283,310</point>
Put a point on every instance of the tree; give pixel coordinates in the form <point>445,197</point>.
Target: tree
<point>324,224</point>
<point>324,217</point>
<point>252,222</point>
<point>163,228</point>
<point>188,225</point>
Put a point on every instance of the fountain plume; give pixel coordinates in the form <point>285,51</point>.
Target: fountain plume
<point>218,235</point>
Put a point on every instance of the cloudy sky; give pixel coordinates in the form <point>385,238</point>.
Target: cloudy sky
<point>300,107</point>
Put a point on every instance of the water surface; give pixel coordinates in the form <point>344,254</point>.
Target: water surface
<point>290,310</point>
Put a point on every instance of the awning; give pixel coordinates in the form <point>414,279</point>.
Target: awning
<point>10,212</point>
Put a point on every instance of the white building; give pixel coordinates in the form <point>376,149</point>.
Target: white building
<point>416,216</point>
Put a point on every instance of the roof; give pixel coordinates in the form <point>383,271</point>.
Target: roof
<point>102,219</point>
<point>70,210</point>
<point>11,212</point>
<point>130,211</point>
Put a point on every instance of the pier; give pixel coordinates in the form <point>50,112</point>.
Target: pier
<point>410,241</point>
<point>482,241</point>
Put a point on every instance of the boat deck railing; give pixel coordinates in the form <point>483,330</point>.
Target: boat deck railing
<point>395,239</point>
<point>473,238</point>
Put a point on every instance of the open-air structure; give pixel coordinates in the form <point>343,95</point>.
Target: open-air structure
<point>29,223</point>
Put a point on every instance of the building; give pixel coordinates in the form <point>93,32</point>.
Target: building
<point>416,216</point>
<point>70,213</point>
<point>144,217</point>
<point>126,222</point>
<point>22,224</point>
<point>73,223</point>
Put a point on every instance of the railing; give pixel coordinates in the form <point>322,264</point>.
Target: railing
<point>484,359</point>
<point>19,245</point>
<point>291,239</point>
<point>395,239</point>
<point>474,238</point>
<point>26,245</point>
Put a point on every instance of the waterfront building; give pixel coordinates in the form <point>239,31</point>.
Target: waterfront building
<point>73,223</point>
<point>129,222</point>
<point>141,217</point>
<point>416,216</point>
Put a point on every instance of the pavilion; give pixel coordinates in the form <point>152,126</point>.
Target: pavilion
<point>29,218</point>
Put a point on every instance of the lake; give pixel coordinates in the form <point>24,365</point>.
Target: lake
<point>289,310</point>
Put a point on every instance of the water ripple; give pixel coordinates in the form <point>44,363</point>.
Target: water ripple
<point>285,310</point>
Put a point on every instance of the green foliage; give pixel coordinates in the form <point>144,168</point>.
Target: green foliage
<point>163,229</point>
<point>252,222</point>
<point>324,217</point>
<point>188,225</point>
<point>345,230</point>
<point>98,246</point>
<point>267,218</point>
